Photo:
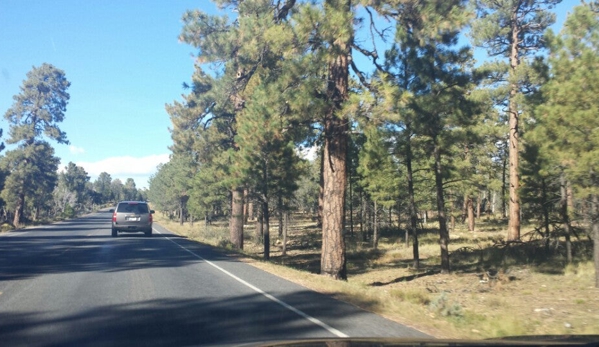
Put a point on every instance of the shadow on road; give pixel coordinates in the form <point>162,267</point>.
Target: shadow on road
<point>74,247</point>
<point>168,322</point>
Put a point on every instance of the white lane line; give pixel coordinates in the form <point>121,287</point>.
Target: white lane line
<point>258,290</point>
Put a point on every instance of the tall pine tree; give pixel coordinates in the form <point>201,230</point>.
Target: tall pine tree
<point>513,30</point>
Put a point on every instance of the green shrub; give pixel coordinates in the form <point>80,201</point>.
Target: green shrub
<point>444,307</point>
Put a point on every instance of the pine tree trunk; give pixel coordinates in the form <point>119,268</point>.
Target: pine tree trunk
<point>504,188</point>
<point>362,216</point>
<point>595,231</point>
<point>564,214</point>
<point>266,230</point>
<point>375,234</point>
<point>470,213</point>
<point>443,232</point>
<point>351,205</point>
<point>333,243</point>
<point>285,233</point>
<point>514,138</point>
<point>260,227</point>
<point>181,215</point>
<point>19,210</point>
<point>265,212</point>
<point>332,261</point>
<point>246,211</point>
<point>570,198</point>
<point>280,208</point>
<point>236,220</point>
<point>413,226</point>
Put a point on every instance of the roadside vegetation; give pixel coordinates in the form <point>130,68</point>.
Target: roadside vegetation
<point>457,196</point>
<point>403,125</point>
<point>495,289</point>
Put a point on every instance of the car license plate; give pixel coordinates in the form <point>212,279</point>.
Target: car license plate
<point>132,219</point>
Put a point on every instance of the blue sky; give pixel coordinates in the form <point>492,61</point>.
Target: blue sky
<point>124,62</point>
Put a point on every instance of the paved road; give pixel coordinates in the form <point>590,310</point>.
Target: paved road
<point>71,283</point>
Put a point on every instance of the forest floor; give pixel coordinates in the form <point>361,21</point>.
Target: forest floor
<point>495,289</point>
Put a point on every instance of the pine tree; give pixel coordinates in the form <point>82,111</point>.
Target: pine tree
<point>568,114</point>
<point>513,29</point>
<point>102,186</point>
<point>379,172</point>
<point>36,165</point>
<point>75,179</point>
<point>35,115</point>
<point>434,74</point>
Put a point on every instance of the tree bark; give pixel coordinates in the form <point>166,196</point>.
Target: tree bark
<point>351,202</point>
<point>413,226</point>
<point>443,232</point>
<point>332,261</point>
<point>504,188</point>
<point>564,214</point>
<point>514,138</point>
<point>181,214</point>
<point>595,231</point>
<point>19,210</point>
<point>260,226</point>
<point>285,233</point>
<point>236,220</point>
<point>362,216</point>
<point>280,208</point>
<point>266,229</point>
<point>470,212</point>
<point>246,200</point>
<point>375,234</point>
<point>333,243</point>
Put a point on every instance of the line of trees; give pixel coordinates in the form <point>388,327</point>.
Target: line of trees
<point>31,185</point>
<point>405,120</point>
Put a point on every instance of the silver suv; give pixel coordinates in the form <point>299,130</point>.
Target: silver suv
<point>132,216</point>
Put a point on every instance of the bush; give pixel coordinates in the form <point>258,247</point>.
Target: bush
<point>445,308</point>
<point>69,212</point>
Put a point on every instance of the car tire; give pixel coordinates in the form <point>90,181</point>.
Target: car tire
<point>114,232</point>
<point>148,232</point>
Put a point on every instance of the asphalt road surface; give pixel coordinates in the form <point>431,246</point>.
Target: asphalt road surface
<point>71,283</point>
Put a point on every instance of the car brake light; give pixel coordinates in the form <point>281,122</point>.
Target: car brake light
<point>114,217</point>
<point>151,219</point>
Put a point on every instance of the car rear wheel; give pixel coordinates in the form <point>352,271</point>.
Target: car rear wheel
<point>114,232</point>
<point>148,232</point>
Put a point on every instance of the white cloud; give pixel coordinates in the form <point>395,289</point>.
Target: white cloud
<point>76,150</point>
<point>140,169</point>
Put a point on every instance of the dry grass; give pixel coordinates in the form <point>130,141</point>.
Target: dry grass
<point>494,289</point>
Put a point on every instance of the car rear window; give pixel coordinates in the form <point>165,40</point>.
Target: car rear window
<point>132,208</point>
